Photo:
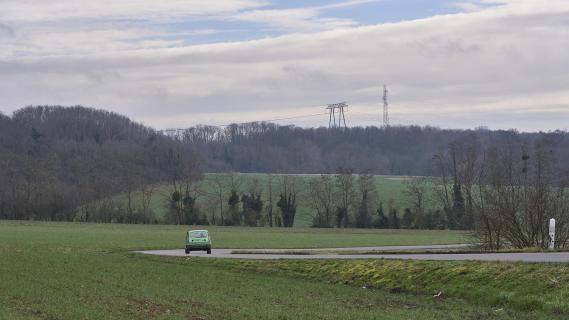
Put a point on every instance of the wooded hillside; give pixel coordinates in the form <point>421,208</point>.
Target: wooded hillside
<point>54,160</point>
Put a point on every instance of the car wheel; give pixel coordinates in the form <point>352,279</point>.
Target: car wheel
<point>187,251</point>
<point>208,251</point>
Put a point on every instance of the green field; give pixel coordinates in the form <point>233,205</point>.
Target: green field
<point>121,237</point>
<point>87,271</point>
<point>389,190</point>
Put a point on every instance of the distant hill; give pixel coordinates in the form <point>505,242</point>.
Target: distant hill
<point>54,159</point>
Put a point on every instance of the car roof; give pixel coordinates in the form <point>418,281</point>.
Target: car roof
<point>198,231</point>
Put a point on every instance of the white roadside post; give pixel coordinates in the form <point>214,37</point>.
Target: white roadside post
<point>551,233</point>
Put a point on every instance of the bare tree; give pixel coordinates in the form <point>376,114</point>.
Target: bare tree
<point>146,194</point>
<point>321,199</point>
<point>345,186</point>
<point>270,205</point>
<point>366,184</point>
<point>417,189</point>
<point>287,201</point>
<point>220,187</point>
<point>518,189</point>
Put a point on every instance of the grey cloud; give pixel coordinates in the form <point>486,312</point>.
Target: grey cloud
<point>476,68</point>
<point>6,31</point>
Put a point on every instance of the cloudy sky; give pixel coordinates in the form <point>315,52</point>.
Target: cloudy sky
<point>177,63</point>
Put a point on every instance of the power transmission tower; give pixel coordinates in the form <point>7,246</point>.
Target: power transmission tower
<point>337,108</point>
<point>385,107</point>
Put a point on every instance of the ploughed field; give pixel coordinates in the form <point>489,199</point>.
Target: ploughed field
<point>88,271</point>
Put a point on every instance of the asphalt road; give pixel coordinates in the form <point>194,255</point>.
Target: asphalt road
<point>277,254</point>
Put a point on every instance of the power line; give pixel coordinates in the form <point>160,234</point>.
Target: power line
<point>364,113</point>
<point>335,111</point>
<point>176,130</point>
<point>278,119</point>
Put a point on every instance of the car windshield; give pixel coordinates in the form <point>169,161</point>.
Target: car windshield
<point>198,234</point>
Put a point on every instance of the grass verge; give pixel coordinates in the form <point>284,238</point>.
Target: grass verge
<point>520,286</point>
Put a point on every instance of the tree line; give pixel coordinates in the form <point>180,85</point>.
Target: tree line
<point>342,200</point>
<point>503,185</point>
<point>259,206</point>
<point>271,148</point>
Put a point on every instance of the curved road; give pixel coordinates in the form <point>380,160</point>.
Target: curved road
<point>278,254</point>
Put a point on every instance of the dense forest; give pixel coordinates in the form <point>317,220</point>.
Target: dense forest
<point>60,163</point>
<point>395,150</point>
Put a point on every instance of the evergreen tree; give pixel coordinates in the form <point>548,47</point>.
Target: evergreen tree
<point>420,220</point>
<point>287,205</point>
<point>342,219</point>
<point>438,220</point>
<point>381,221</point>
<point>190,214</point>
<point>408,218</point>
<point>363,219</point>
<point>234,218</point>
<point>458,207</point>
<point>394,219</point>
<point>252,207</point>
<point>175,207</point>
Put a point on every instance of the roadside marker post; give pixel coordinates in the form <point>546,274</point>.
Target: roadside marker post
<point>551,233</point>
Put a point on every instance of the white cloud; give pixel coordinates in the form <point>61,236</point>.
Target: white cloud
<point>67,27</point>
<point>308,19</point>
<point>346,4</point>
<point>57,10</point>
<point>304,19</point>
<point>478,5</point>
<point>77,40</point>
<point>501,66</point>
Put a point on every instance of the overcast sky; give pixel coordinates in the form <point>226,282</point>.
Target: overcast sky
<point>177,63</point>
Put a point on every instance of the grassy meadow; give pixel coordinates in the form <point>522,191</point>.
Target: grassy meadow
<point>390,190</point>
<point>121,237</point>
<point>88,271</point>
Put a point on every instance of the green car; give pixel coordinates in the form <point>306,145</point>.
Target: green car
<point>198,240</point>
